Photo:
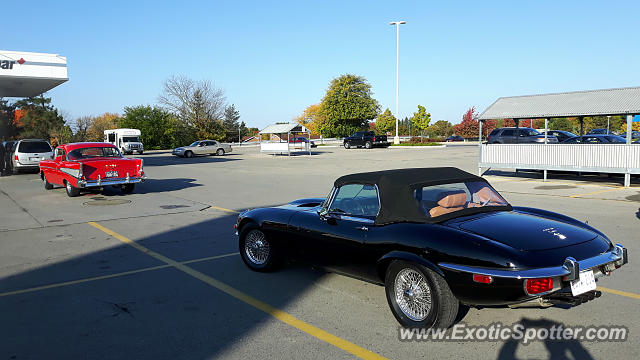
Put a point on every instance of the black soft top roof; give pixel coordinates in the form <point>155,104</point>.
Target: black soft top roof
<point>395,188</point>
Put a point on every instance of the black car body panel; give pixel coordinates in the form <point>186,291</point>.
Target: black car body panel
<point>512,243</point>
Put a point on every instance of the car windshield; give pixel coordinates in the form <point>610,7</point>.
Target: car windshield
<point>93,152</point>
<point>34,147</point>
<point>438,200</point>
<point>130,139</point>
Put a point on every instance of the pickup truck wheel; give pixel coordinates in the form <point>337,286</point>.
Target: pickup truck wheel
<point>367,145</point>
<point>419,297</point>
<point>72,191</point>
<point>257,252</point>
<point>188,154</point>
<point>220,152</point>
<point>140,152</point>
<point>347,145</point>
<point>127,188</point>
<point>47,184</point>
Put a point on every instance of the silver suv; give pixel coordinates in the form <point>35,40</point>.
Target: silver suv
<point>27,153</point>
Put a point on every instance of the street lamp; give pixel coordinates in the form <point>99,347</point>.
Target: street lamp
<point>396,140</point>
<point>608,119</point>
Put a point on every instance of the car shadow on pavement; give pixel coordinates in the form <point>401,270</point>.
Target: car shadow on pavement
<point>160,313</point>
<point>150,186</point>
<point>557,349</point>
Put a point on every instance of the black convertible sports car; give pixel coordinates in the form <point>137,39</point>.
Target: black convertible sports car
<point>435,238</point>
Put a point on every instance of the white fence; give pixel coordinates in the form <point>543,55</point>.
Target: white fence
<point>603,158</point>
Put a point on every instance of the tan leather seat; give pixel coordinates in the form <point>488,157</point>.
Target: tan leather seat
<point>449,202</point>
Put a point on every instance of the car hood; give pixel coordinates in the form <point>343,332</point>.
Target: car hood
<point>527,232</point>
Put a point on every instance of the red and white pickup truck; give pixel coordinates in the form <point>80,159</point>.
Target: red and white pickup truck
<point>83,165</point>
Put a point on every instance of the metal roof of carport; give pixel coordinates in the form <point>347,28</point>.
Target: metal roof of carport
<point>283,128</point>
<point>620,101</point>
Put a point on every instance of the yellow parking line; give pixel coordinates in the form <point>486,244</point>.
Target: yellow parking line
<point>620,292</point>
<point>224,209</point>
<point>597,192</point>
<point>276,313</point>
<point>95,278</point>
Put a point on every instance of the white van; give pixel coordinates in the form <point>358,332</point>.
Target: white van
<point>127,140</point>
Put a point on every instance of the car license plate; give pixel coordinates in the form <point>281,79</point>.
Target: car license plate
<point>37,158</point>
<point>585,283</point>
<point>111,174</point>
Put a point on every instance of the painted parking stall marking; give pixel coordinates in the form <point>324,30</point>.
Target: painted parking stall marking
<point>262,306</point>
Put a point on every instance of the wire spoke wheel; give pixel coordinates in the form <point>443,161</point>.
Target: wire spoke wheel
<point>412,294</point>
<point>257,248</point>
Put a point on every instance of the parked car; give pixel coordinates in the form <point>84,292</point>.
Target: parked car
<point>203,147</point>
<point>366,139</point>
<point>512,135</point>
<point>300,140</point>
<point>634,135</point>
<point>435,238</point>
<point>80,166</point>
<point>453,138</point>
<point>561,135</point>
<point>600,132</point>
<point>27,153</point>
<point>596,139</point>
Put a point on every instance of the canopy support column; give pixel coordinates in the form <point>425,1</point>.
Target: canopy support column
<point>627,176</point>
<point>581,118</point>
<point>479,147</point>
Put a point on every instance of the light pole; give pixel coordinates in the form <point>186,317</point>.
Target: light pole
<point>608,119</point>
<point>396,140</point>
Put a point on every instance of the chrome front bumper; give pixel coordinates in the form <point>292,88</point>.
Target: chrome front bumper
<point>570,270</point>
<point>110,181</point>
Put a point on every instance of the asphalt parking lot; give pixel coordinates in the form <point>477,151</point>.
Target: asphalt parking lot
<point>156,274</point>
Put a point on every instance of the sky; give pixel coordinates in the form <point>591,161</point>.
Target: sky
<point>273,59</point>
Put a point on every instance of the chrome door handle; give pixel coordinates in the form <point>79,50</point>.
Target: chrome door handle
<point>362,228</point>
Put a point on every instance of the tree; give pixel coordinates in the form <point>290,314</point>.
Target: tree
<point>561,124</point>
<point>441,128</point>
<point>311,118</point>
<point>197,103</point>
<point>348,106</point>
<point>468,128</point>
<point>420,119</point>
<point>83,124</point>
<point>231,124</point>
<point>40,118</point>
<point>386,122</point>
<point>106,121</point>
<point>153,122</point>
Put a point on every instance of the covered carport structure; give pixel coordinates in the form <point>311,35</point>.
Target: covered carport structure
<point>604,158</point>
<point>283,145</point>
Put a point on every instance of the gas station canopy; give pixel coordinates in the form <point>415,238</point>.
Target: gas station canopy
<point>26,74</point>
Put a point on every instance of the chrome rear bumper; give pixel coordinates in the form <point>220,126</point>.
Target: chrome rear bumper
<point>110,181</point>
<point>570,270</point>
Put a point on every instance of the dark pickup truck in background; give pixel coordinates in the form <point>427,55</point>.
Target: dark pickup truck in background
<point>366,139</point>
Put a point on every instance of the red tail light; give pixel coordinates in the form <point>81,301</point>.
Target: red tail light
<point>483,279</point>
<point>374,138</point>
<point>537,286</point>
<point>16,157</point>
